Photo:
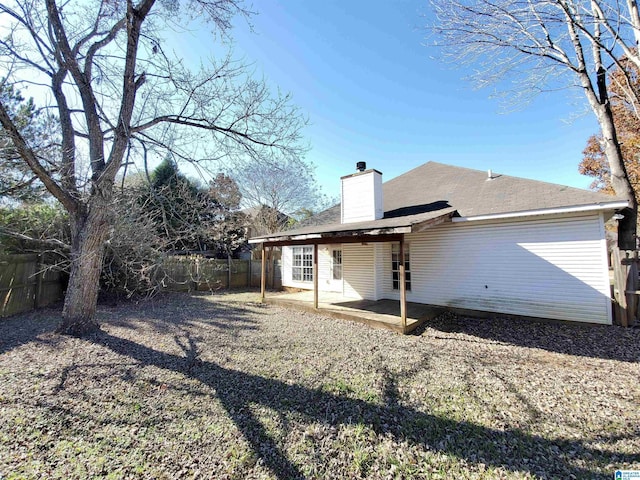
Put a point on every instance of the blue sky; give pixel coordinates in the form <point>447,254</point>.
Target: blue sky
<point>374,92</point>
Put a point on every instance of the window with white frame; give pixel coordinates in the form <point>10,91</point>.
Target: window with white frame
<point>336,264</point>
<point>395,267</point>
<point>302,266</point>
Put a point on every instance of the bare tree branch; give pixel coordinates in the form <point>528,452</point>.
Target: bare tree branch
<point>51,242</point>
<point>537,43</point>
<point>30,158</point>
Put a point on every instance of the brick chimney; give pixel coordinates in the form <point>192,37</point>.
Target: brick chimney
<point>361,194</point>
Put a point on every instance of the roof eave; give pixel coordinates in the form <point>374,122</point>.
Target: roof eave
<point>596,207</point>
<point>311,237</point>
<point>341,235</point>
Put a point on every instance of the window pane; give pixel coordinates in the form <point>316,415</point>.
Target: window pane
<point>395,267</point>
<point>302,265</point>
<point>337,272</point>
<point>336,264</point>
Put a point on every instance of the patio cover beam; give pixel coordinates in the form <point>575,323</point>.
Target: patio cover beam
<point>394,237</point>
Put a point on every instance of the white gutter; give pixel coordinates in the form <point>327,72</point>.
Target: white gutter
<point>310,236</point>
<point>546,211</point>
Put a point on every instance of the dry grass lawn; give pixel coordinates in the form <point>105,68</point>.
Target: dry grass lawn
<point>218,386</point>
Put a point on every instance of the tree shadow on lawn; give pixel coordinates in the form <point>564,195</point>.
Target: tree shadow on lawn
<point>171,310</point>
<point>27,327</point>
<point>513,449</point>
<point>595,341</point>
<point>164,313</point>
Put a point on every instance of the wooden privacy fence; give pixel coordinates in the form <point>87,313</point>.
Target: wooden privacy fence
<point>626,283</point>
<point>26,283</point>
<point>205,274</point>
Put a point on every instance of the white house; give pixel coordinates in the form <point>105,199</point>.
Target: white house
<point>471,240</point>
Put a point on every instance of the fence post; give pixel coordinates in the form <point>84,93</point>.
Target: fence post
<point>619,283</point>
<point>195,282</point>
<point>228,271</point>
<point>632,287</point>
<point>625,280</point>
<point>263,273</point>
<point>39,274</point>
<point>249,273</point>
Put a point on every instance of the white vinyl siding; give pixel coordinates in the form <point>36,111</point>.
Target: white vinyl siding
<point>379,262</point>
<point>549,268</point>
<point>358,271</point>
<point>552,268</point>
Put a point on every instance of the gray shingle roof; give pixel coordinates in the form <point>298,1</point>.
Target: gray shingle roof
<point>435,189</point>
<point>472,194</point>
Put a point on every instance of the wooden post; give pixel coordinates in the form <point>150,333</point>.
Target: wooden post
<point>249,272</point>
<point>632,287</point>
<point>272,268</point>
<point>619,286</point>
<point>228,271</point>
<point>39,277</point>
<point>268,254</point>
<point>263,275</point>
<point>195,279</point>
<point>315,275</point>
<point>403,288</point>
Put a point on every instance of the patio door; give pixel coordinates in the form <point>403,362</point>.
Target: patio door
<point>335,268</point>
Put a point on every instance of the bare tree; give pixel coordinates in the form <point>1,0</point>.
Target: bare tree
<point>545,44</point>
<point>117,90</point>
<point>625,114</point>
<point>277,192</point>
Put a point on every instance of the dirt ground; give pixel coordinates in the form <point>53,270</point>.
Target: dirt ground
<point>220,386</point>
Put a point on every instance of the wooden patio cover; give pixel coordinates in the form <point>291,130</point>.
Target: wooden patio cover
<point>376,231</point>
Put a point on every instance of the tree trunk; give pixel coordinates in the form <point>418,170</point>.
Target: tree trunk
<point>619,180</point>
<point>90,230</point>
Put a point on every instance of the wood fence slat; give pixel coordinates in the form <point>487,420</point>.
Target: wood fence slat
<point>25,284</point>
<point>625,285</point>
<point>206,274</point>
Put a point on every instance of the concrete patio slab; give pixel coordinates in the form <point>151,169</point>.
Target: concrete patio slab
<point>375,313</point>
